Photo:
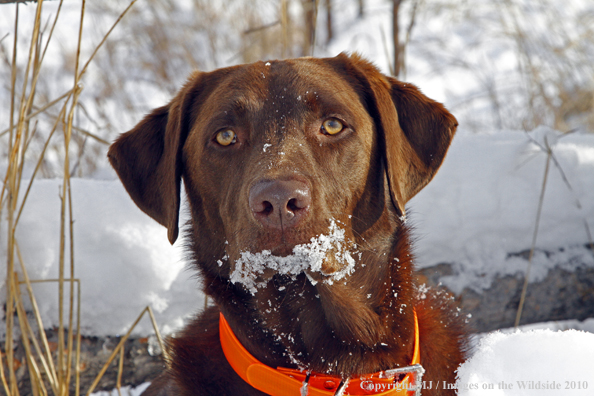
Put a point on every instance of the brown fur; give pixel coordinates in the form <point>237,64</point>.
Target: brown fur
<point>394,141</point>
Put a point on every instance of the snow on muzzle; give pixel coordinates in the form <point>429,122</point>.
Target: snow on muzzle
<point>327,258</point>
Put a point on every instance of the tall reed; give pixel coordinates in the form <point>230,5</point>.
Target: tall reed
<point>49,373</point>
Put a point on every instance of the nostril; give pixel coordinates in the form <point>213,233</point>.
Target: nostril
<point>292,205</point>
<point>268,208</point>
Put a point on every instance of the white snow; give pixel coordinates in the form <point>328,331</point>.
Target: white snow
<point>122,258</point>
<point>125,391</point>
<point>534,362</point>
<point>308,258</point>
<point>482,206</point>
<point>466,55</point>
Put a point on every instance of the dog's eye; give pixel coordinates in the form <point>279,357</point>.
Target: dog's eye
<point>226,137</point>
<point>332,126</point>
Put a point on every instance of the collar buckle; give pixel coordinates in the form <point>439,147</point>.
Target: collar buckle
<point>418,371</point>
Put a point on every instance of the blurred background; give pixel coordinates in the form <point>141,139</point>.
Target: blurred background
<point>508,64</point>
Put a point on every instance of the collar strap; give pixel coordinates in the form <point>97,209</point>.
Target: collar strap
<point>288,382</point>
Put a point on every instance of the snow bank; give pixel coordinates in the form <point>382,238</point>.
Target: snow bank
<point>482,206</point>
<point>122,258</point>
<point>536,362</point>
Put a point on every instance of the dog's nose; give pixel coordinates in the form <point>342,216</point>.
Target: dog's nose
<point>280,204</point>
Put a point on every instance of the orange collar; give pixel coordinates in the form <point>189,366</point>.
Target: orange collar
<point>289,382</point>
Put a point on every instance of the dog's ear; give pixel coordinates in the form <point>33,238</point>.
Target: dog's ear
<point>148,158</point>
<point>416,131</point>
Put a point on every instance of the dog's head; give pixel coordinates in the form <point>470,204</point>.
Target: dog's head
<point>274,154</point>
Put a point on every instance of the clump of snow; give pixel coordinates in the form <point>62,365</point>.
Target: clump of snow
<point>558,325</point>
<point>125,390</point>
<point>536,362</point>
<point>308,258</point>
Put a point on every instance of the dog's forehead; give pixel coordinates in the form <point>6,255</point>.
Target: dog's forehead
<point>283,84</point>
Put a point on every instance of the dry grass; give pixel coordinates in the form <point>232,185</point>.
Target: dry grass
<point>49,373</point>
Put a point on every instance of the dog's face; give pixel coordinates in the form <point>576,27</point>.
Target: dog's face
<point>274,154</point>
<point>279,151</point>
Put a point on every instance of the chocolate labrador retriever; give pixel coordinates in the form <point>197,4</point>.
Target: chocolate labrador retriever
<point>297,173</point>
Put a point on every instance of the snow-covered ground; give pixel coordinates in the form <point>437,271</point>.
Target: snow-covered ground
<point>530,363</point>
<point>482,205</point>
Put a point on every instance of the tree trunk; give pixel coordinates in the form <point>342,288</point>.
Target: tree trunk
<point>361,8</point>
<point>396,37</point>
<point>309,37</point>
<point>329,28</point>
<point>286,38</point>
